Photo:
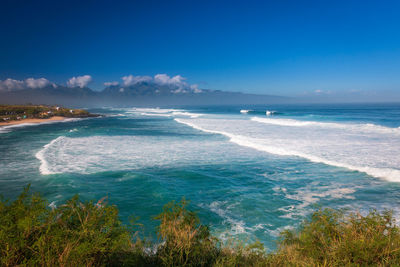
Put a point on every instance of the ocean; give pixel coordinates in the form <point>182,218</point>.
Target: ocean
<point>249,172</point>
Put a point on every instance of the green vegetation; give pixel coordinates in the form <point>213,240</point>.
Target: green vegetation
<point>18,112</point>
<point>91,234</point>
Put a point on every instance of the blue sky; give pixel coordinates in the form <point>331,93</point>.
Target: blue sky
<point>269,47</point>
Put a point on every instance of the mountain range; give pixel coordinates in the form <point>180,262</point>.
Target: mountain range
<point>138,94</point>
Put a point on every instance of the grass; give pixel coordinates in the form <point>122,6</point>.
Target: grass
<point>91,234</point>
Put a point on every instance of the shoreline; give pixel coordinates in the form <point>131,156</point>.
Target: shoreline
<point>16,122</point>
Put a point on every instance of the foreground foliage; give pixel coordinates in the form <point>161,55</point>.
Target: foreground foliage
<point>91,234</point>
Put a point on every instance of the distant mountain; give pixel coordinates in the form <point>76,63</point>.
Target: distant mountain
<point>49,95</point>
<point>139,89</point>
<point>139,94</point>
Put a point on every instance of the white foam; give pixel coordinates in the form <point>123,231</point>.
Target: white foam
<point>116,115</point>
<point>9,128</point>
<point>367,127</point>
<point>245,111</point>
<point>112,153</point>
<point>375,155</point>
<point>4,129</point>
<point>52,205</point>
<point>153,110</point>
<point>44,164</point>
<point>236,226</point>
<point>269,113</point>
<point>311,194</point>
<point>155,114</point>
<point>159,112</point>
<point>188,114</point>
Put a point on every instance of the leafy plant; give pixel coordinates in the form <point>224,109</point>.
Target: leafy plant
<point>91,234</point>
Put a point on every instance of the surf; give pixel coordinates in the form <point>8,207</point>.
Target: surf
<point>387,173</point>
<point>367,127</point>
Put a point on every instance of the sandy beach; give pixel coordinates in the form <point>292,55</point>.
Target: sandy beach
<point>55,118</point>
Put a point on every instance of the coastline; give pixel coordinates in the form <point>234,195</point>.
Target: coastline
<point>16,122</point>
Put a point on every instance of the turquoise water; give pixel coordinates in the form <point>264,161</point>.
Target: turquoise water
<point>247,174</point>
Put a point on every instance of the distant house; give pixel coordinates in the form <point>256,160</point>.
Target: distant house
<point>57,108</point>
<point>71,111</point>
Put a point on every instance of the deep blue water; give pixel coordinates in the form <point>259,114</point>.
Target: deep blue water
<point>247,174</point>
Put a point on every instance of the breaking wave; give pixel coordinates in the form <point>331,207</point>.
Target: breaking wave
<point>319,151</point>
<point>114,153</point>
<point>41,155</point>
<point>161,112</point>
<point>269,112</point>
<point>368,127</point>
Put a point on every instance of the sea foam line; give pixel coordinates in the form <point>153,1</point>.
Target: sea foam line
<point>368,127</point>
<point>388,174</point>
<point>8,128</point>
<point>163,112</point>
<point>40,155</point>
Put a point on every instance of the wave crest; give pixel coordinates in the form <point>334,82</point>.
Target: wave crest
<point>367,127</point>
<point>387,173</point>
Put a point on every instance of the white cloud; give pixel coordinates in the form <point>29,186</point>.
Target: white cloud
<point>80,81</point>
<point>321,92</point>
<point>164,79</point>
<point>111,84</point>
<point>38,83</point>
<point>179,91</point>
<point>177,82</point>
<point>12,85</point>
<point>195,88</point>
<point>132,80</point>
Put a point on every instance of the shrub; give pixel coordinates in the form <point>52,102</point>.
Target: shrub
<point>91,234</point>
<point>334,238</point>
<point>237,253</point>
<point>73,234</point>
<point>184,241</point>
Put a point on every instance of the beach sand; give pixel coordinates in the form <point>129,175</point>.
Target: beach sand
<point>55,118</point>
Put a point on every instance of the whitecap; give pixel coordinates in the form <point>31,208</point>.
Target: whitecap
<point>41,155</point>
<point>352,150</point>
<point>366,127</point>
<point>108,153</point>
<point>163,112</point>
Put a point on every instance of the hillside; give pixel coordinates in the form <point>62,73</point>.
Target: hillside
<point>21,112</point>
